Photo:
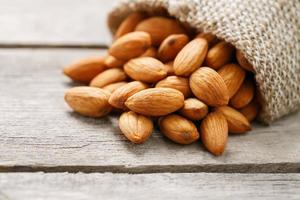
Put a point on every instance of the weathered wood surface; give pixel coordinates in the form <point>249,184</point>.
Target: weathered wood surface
<point>19,186</point>
<point>39,132</point>
<point>54,22</point>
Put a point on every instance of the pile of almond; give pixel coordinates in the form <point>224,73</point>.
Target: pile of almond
<point>195,86</point>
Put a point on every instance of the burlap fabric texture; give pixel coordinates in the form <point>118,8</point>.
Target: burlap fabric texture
<point>266,31</point>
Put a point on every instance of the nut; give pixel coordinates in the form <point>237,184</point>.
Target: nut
<point>194,109</point>
<point>109,76</point>
<point>244,95</point>
<point>179,83</point>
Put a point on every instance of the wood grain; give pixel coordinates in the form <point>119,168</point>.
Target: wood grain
<point>39,132</point>
<point>19,186</point>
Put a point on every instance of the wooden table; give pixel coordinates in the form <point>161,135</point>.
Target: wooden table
<point>57,154</point>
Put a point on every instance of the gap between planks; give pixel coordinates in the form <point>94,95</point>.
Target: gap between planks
<point>53,46</point>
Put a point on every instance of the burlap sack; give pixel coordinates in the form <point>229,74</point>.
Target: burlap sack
<point>266,31</point>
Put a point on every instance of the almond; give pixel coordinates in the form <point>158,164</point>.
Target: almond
<point>237,122</point>
<point>150,52</point>
<point>170,47</point>
<point>210,38</point>
<point>178,129</point>
<point>159,28</point>
<point>194,109</point>
<point>109,76</point>
<point>155,101</point>
<point>243,61</point>
<point>112,62</point>
<point>136,128</point>
<point>120,95</point>
<point>130,45</point>
<point>208,86</point>
<point>88,101</point>
<point>250,111</point>
<point>113,86</point>
<point>244,95</point>
<point>176,82</point>
<point>169,68</point>
<point>85,69</point>
<point>129,23</point>
<point>190,57</point>
<point>145,69</point>
<point>233,75</point>
<point>219,55</point>
<point>214,133</point>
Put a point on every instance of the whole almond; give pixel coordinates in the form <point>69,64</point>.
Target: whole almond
<point>210,38</point>
<point>250,111</point>
<point>170,47</point>
<point>85,69</point>
<point>169,68</point>
<point>136,128</point>
<point>178,129</point>
<point>244,95</point>
<point>109,76</point>
<point>190,57</point>
<point>194,109</point>
<point>214,133</point>
<point>130,45</point>
<point>146,69</point>
<point>155,101</point>
<point>129,23</point>
<point>243,61</point>
<point>113,86</point>
<point>88,101</point>
<point>120,95</point>
<point>176,82</point>
<point>208,86</point>
<point>112,62</point>
<point>219,55</point>
<point>237,122</point>
<point>159,28</point>
<point>233,75</point>
<point>150,52</point>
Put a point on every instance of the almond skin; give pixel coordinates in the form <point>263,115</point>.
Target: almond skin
<point>169,68</point>
<point>119,96</point>
<point>233,76</point>
<point>113,86</point>
<point>112,62</point>
<point>159,28</point>
<point>130,45</point>
<point>155,101</point>
<point>88,101</point>
<point>219,55</point>
<point>85,69</point>
<point>208,86</point>
<point>243,61</point>
<point>136,128</point>
<point>190,57</point>
<point>107,77</point>
<point>179,83</point>
<point>214,133</point>
<point>170,47</point>
<point>146,69</point>
<point>210,38</point>
<point>150,52</point>
<point>129,23</point>
<point>250,111</point>
<point>237,122</point>
<point>194,109</point>
<point>178,129</point>
<point>244,95</point>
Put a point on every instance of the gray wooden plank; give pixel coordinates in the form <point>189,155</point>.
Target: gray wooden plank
<point>54,22</point>
<point>80,186</point>
<point>39,132</point>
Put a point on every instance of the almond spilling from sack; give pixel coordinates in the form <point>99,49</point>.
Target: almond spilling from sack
<point>199,86</point>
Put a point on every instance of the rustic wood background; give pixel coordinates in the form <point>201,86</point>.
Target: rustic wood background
<point>57,154</point>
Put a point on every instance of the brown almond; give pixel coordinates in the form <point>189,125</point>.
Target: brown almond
<point>112,62</point>
<point>243,61</point>
<point>109,76</point>
<point>130,45</point>
<point>233,76</point>
<point>113,86</point>
<point>219,55</point>
<point>244,95</point>
<point>178,129</point>
<point>146,69</point>
<point>85,69</point>
<point>120,95</point>
<point>194,109</point>
<point>250,111</point>
<point>237,122</point>
<point>159,28</point>
<point>214,133</point>
<point>150,52</point>
<point>88,101</point>
<point>176,82</point>
<point>129,23</point>
<point>169,68</point>
<point>190,57</point>
<point>170,47</point>
<point>210,38</point>
<point>208,86</point>
<point>155,101</point>
<point>136,128</point>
